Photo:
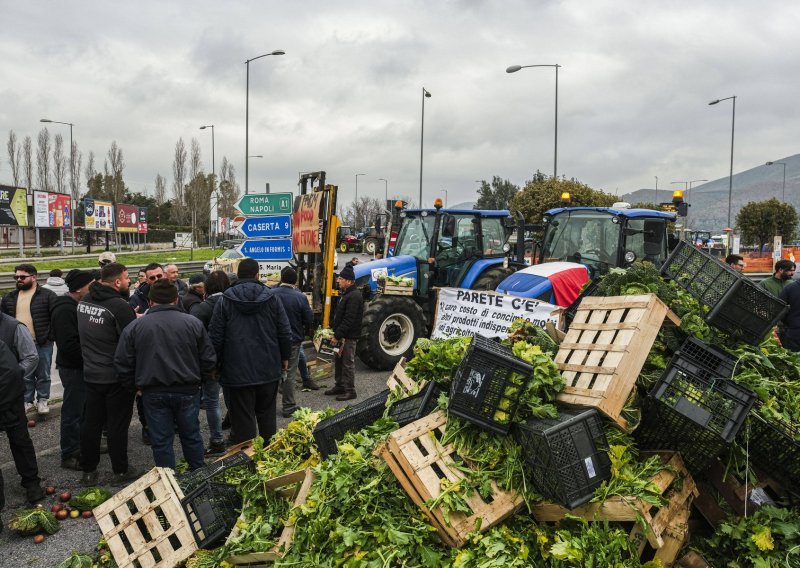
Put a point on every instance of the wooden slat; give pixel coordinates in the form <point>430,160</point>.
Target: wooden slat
<point>608,347</point>
<point>600,326</point>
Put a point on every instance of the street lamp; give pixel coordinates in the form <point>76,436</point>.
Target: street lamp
<point>514,69</point>
<point>445,198</point>
<point>213,175</point>
<point>783,192</point>
<point>425,95</point>
<point>247,118</point>
<point>656,189</point>
<point>355,205</point>
<point>730,177</point>
<point>385,188</point>
<point>71,181</point>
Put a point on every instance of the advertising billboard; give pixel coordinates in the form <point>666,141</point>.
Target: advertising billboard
<point>13,206</point>
<point>99,215</point>
<point>127,217</point>
<point>51,210</point>
<point>142,220</point>
<point>40,217</point>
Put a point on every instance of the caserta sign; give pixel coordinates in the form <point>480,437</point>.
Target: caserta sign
<point>267,226</point>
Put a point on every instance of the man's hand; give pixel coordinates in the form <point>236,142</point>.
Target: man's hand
<point>284,363</point>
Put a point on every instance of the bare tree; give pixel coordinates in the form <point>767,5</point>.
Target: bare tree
<point>117,161</point>
<point>229,189</point>
<point>27,162</point>
<point>43,160</point>
<point>195,162</point>
<point>14,157</point>
<point>75,159</point>
<point>179,180</point>
<point>362,213</point>
<point>59,163</point>
<point>161,190</point>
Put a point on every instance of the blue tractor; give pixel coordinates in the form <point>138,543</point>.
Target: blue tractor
<point>436,248</point>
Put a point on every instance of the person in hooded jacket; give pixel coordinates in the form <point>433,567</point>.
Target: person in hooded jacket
<point>69,361</point>
<point>251,335</point>
<point>195,292</point>
<point>216,283</point>
<point>55,283</point>
<point>346,327</point>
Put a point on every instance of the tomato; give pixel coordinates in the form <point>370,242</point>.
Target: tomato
<point>38,539</point>
<point>65,496</point>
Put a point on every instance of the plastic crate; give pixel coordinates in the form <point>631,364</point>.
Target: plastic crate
<point>709,361</point>
<point>736,305</point>
<point>351,419</point>
<point>775,447</point>
<point>590,290</point>
<point>488,384</point>
<point>566,456</point>
<point>407,410</point>
<point>191,480</point>
<point>212,510</point>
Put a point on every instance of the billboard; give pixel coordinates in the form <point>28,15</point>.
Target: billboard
<point>142,219</point>
<point>13,206</point>
<point>99,215</point>
<point>51,210</point>
<point>127,218</point>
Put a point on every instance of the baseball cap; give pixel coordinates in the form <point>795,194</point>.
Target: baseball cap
<point>106,257</point>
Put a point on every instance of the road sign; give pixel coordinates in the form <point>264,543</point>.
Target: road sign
<point>265,203</point>
<point>267,249</point>
<point>267,226</point>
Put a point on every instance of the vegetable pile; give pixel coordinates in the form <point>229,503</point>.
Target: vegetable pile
<point>396,280</point>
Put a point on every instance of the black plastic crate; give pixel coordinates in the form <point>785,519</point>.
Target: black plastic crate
<point>412,408</point>
<point>775,448</point>
<point>190,480</point>
<point>736,305</point>
<point>351,419</point>
<point>590,290</point>
<point>212,510</point>
<point>704,360</point>
<point>566,457</point>
<point>488,385</point>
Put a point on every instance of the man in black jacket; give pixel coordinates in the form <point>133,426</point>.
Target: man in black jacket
<point>168,354</point>
<point>346,330</point>
<point>31,304</point>
<point>253,340</point>
<point>300,317</point>
<point>64,322</point>
<point>139,300</point>
<point>102,316</point>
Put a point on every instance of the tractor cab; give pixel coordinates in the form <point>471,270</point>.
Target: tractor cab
<point>602,238</point>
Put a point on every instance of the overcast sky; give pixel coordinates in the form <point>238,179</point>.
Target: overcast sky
<point>634,87</point>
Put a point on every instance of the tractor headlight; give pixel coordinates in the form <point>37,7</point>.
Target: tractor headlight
<point>630,256</point>
<point>506,247</point>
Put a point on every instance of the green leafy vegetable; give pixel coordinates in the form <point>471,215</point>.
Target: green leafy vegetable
<point>33,521</point>
<point>89,498</point>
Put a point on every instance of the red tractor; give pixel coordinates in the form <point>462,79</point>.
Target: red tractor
<point>347,241</point>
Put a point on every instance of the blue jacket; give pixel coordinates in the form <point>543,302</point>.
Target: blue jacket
<point>297,310</point>
<point>251,335</point>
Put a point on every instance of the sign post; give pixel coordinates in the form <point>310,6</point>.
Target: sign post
<point>265,204</point>
<point>268,226</point>
<point>267,249</point>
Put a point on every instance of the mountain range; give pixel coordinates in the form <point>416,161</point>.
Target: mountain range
<point>709,202</point>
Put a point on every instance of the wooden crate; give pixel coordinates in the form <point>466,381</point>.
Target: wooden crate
<point>399,379</point>
<point>675,536</point>
<point>144,524</point>
<point>627,509</point>
<point>389,289</point>
<point>605,348</point>
<point>246,447</point>
<point>287,486</point>
<point>320,369</point>
<point>420,462</point>
<point>325,347</point>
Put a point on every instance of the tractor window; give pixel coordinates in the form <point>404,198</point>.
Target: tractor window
<point>415,237</point>
<point>494,236</point>
<point>646,239</point>
<point>587,237</point>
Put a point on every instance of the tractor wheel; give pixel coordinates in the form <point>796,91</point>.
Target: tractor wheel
<point>343,247</point>
<point>390,327</point>
<point>370,246</point>
<point>491,278</point>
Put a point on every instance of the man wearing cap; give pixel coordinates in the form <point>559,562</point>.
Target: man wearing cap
<point>253,340</point>
<point>106,257</point>
<point>102,316</point>
<point>167,355</point>
<point>300,318</point>
<point>31,304</point>
<point>346,330</point>
<point>196,292</point>
<point>69,361</point>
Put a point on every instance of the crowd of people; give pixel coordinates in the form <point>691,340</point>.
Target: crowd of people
<point>168,349</point>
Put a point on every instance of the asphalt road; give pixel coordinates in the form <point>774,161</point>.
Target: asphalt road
<point>83,534</point>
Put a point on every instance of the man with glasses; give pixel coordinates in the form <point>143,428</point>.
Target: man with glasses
<point>139,299</point>
<point>735,261</point>
<point>31,304</point>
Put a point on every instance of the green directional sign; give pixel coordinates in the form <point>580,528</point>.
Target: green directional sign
<point>265,204</point>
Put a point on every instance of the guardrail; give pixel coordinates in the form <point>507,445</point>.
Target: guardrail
<point>189,267</point>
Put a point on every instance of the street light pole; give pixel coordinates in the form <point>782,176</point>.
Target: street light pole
<point>71,181</point>
<point>730,177</point>
<point>656,189</point>
<point>783,192</point>
<point>385,189</point>
<point>247,119</point>
<point>445,198</point>
<point>214,179</point>
<point>355,205</point>
<point>514,69</point>
<point>425,95</point>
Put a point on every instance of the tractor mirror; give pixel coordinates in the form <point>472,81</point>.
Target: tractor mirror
<point>448,226</point>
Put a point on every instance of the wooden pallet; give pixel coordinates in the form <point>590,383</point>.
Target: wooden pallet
<point>287,486</point>
<point>624,509</point>
<point>420,463</point>
<point>675,537</point>
<point>605,348</point>
<point>394,289</point>
<point>145,525</point>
